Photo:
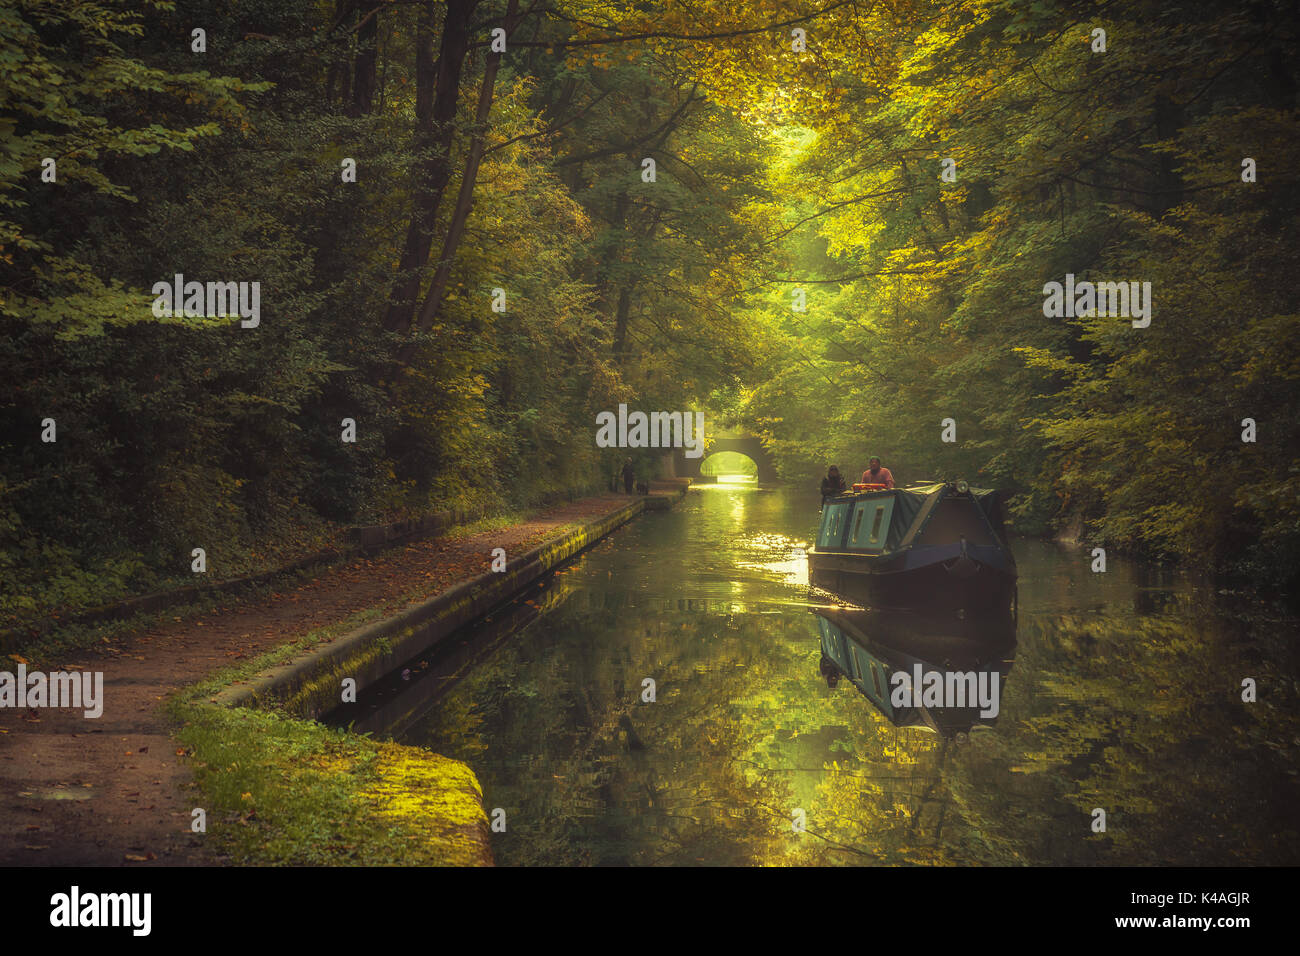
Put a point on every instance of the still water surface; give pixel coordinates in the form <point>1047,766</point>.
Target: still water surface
<point>1122,692</point>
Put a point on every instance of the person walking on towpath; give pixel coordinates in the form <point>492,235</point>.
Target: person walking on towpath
<point>629,475</point>
<point>876,475</point>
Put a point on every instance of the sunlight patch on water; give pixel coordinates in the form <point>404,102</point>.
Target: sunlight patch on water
<point>729,482</point>
<point>780,554</point>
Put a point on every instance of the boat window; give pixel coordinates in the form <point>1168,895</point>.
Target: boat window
<point>855,657</point>
<point>832,525</point>
<point>875,677</point>
<point>870,535</point>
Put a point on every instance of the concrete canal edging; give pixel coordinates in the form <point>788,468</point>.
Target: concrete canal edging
<point>310,685</point>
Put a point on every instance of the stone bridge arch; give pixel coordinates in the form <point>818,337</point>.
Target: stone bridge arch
<point>751,446</point>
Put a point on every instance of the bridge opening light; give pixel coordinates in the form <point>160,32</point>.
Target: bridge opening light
<point>730,467</point>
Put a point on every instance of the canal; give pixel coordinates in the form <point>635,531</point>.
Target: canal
<point>1121,692</point>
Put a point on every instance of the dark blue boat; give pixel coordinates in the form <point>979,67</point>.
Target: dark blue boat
<point>939,546</point>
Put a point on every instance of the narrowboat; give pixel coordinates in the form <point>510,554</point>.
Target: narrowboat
<point>938,546</point>
<point>872,648</point>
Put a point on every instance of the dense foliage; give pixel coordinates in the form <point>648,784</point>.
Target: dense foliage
<point>926,293</point>
<point>225,158</point>
<point>474,172</point>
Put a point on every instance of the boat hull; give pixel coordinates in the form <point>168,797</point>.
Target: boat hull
<point>958,584</point>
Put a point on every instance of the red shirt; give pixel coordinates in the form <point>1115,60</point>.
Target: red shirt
<point>881,477</point>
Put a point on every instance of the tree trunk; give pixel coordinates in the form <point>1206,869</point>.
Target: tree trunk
<point>364,65</point>
<point>437,89</point>
<point>620,322</point>
<point>1169,119</point>
<point>465,197</point>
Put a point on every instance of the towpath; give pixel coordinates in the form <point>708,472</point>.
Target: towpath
<point>112,791</point>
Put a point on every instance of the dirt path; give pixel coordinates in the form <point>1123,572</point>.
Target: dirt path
<point>110,791</point>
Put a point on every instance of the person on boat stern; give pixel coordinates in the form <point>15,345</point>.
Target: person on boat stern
<point>629,475</point>
<point>833,483</point>
<point>877,475</point>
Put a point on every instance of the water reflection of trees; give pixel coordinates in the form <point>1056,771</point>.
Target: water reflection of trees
<point>606,778</point>
<point>1142,717</point>
<point>1138,715</point>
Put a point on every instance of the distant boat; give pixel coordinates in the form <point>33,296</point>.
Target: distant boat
<point>871,647</point>
<point>939,546</point>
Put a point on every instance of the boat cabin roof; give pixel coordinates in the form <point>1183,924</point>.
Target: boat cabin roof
<point>901,516</point>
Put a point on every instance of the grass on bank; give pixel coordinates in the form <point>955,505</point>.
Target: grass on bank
<point>283,791</point>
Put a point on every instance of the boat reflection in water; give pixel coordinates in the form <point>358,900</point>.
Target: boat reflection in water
<point>948,676</point>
